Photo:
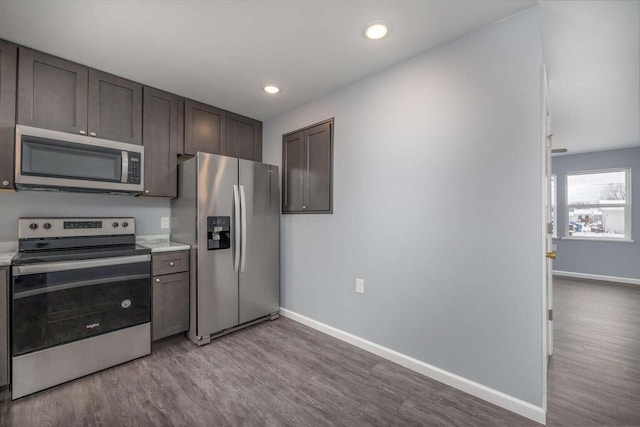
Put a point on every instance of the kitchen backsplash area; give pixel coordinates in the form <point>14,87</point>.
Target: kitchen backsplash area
<point>13,205</point>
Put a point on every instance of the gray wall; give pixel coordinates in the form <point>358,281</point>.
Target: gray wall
<point>14,205</point>
<point>438,163</point>
<point>619,259</point>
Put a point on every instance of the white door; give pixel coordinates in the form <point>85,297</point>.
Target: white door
<point>550,253</point>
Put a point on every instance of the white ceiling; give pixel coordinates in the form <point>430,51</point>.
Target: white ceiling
<point>222,52</point>
<point>592,51</point>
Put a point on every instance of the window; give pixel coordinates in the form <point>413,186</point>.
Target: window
<point>598,205</point>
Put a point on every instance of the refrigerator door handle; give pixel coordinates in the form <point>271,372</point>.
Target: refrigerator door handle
<point>243,233</point>
<point>236,229</point>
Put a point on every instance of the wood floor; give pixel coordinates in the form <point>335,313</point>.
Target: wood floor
<point>283,373</point>
<point>594,374</point>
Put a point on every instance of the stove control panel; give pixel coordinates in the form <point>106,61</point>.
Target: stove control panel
<point>39,228</point>
<point>81,224</point>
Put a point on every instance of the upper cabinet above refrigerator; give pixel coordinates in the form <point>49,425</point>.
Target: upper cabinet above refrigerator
<point>204,128</point>
<point>244,138</point>
<point>61,95</point>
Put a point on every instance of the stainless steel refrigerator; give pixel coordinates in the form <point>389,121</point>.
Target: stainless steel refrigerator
<point>228,211</point>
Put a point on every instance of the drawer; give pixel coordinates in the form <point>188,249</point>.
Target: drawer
<point>169,263</point>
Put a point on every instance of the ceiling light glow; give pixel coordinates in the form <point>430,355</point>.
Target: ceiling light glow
<point>271,89</point>
<point>376,30</point>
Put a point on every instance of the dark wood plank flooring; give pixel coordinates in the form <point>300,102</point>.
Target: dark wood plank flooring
<point>594,374</point>
<point>283,373</point>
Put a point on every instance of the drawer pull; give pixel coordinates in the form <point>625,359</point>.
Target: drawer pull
<point>171,264</point>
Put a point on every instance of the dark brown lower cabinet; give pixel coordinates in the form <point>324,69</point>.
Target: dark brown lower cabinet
<point>170,307</point>
<point>4,326</point>
<point>307,169</point>
<point>8,58</point>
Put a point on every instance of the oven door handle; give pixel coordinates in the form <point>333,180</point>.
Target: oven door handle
<point>51,267</point>
<point>72,285</point>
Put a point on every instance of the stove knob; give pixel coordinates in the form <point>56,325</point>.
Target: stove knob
<point>115,224</point>
<point>125,224</point>
<point>47,226</point>
<point>33,226</point>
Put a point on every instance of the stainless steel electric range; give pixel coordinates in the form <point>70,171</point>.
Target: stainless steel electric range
<point>81,300</point>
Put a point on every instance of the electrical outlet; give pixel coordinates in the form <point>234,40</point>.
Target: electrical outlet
<point>164,222</point>
<point>360,286</point>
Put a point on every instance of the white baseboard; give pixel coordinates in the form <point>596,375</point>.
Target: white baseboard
<point>596,277</point>
<point>513,404</point>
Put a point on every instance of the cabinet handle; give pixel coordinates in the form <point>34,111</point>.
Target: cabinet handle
<point>304,207</point>
<point>157,280</point>
<point>171,264</point>
<point>5,183</point>
<point>92,133</point>
<point>146,191</point>
<point>82,132</point>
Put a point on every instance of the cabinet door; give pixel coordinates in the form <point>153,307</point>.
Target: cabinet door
<point>293,171</point>
<point>318,168</point>
<point>4,326</point>
<point>180,126</point>
<point>244,138</point>
<point>8,58</point>
<point>204,128</point>
<point>52,92</point>
<point>160,140</point>
<point>115,108</point>
<point>170,305</point>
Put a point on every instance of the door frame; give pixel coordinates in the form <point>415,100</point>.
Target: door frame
<point>545,237</point>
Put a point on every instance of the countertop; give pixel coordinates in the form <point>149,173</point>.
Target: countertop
<point>160,243</point>
<point>7,252</point>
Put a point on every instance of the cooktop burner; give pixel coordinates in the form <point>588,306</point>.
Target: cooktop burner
<point>71,239</point>
<point>32,257</point>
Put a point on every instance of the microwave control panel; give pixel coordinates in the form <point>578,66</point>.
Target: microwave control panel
<point>134,168</point>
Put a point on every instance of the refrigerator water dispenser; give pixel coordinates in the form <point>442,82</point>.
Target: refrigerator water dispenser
<point>218,232</point>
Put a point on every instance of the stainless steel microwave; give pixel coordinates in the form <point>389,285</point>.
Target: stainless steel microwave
<point>51,160</point>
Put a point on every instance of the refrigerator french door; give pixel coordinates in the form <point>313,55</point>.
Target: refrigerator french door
<point>235,206</point>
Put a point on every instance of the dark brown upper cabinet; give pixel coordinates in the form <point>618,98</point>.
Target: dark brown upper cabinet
<point>204,128</point>
<point>244,138</point>
<point>52,92</point>
<point>161,139</point>
<point>307,169</point>
<point>115,108</point>
<point>181,126</point>
<point>293,172</point>
<point>61,95</point>
<point>8,65</point>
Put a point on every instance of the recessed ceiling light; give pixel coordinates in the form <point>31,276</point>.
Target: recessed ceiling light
<point>376,30</point>
<point>271,89</point>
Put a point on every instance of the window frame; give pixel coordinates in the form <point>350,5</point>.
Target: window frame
<point>626,205</point>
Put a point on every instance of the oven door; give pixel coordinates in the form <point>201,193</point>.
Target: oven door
<point>61,302</point>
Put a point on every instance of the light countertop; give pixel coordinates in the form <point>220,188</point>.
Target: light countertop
<point>160,243</point>
<point>7,252</point>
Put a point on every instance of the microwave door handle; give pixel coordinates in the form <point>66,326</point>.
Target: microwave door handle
<point>124,178</point>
